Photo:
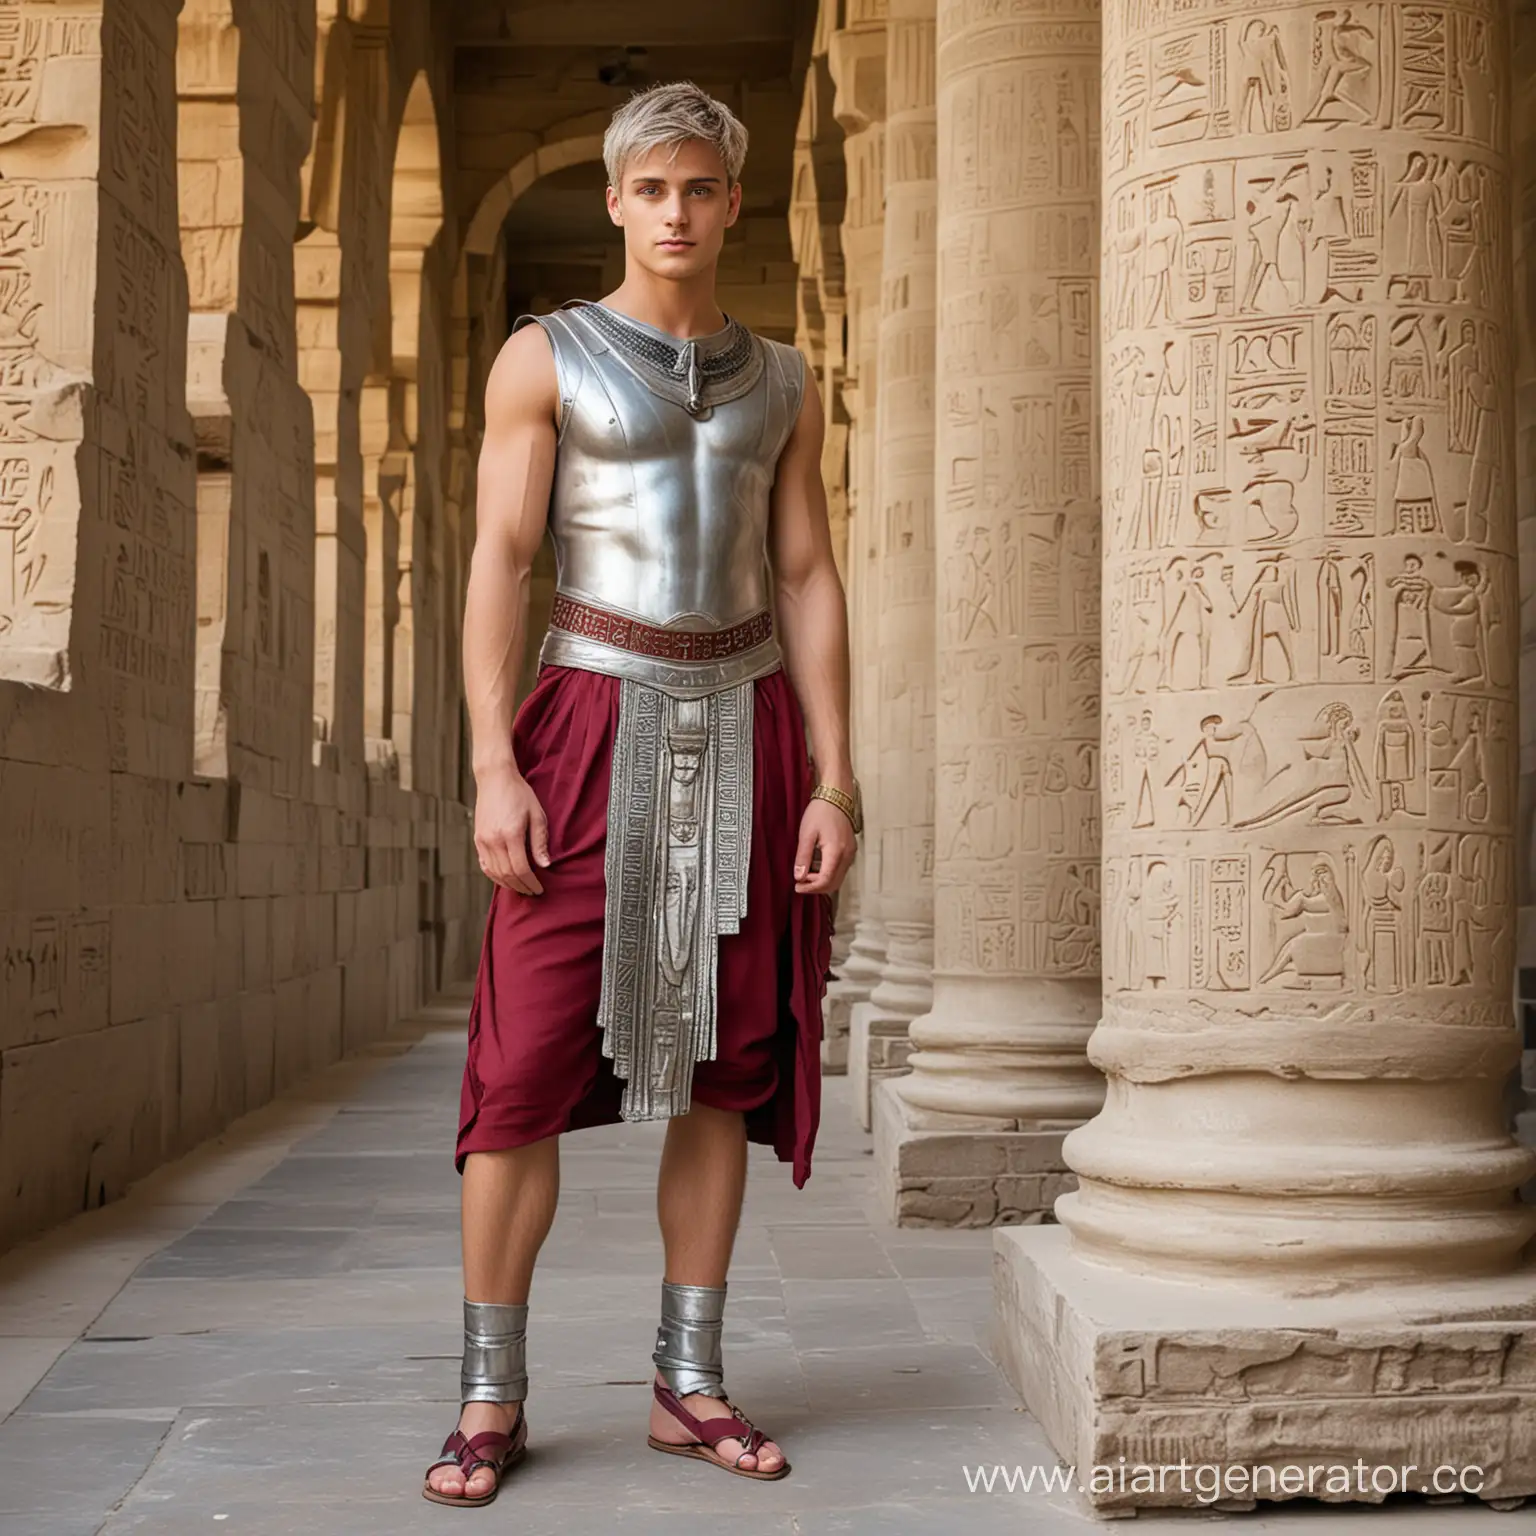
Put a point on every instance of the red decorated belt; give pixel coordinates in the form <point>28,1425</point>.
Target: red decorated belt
<point>649,640</point>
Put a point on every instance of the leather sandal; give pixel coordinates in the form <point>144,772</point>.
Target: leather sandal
<point>490,1448</point>
<point>710,1432</point>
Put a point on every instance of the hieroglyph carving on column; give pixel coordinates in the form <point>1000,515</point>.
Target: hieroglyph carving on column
<point>904,530</point>
<point>1310,638</point>
<point>856,60</point>
<point>1016,885</point>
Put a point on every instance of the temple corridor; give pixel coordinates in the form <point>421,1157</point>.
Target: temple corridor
<point>263,1337</point>
<point>1178,368</point>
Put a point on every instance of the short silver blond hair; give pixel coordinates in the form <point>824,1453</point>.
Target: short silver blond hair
<point>668,116</point>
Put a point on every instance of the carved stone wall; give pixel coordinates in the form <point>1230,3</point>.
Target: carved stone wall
<point>210,903</point>
<point>96,615</point>
<point>1311,609</point>
<point>1016,878</point>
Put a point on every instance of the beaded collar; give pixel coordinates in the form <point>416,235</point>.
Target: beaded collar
<point>697,373</point>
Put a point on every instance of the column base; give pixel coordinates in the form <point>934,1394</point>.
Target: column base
<point>836,1016</point>
<point>841,998</point>
<point>940,1170</point>
<point>1126,1372</point>
<point>834,1050</point>
<point>877,1049</point>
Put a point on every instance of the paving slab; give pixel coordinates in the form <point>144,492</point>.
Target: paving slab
<point>828,1253</point>
<point>24,1363</point>
<point>847,1313</point>
<point>240,1253</point>
<point>61,1479</point>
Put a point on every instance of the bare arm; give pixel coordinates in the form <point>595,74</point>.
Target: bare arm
<point>517,458</point>
<point>813,631</point>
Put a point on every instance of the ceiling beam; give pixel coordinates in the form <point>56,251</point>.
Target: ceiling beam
<point>581,23</point>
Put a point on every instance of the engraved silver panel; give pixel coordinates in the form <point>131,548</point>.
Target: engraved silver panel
<point>678,851</point>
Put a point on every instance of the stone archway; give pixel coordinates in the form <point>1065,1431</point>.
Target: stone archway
<point>477,330</point>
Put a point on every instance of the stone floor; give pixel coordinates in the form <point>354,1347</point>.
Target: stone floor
<point>264,1336</point>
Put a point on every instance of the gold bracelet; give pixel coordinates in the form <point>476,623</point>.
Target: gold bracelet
<point>852,806</point>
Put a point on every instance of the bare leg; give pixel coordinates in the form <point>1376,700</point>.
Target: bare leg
<point>698,1203</point>
<point>508,1205</point>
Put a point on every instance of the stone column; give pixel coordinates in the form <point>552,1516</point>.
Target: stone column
<point>1523,75</point>
<point>242,134</point>
<point>856,61</point>
<point>973,1135</point>
<point>902,583</point>
<point>817,202</point>
<point>1308,765</point>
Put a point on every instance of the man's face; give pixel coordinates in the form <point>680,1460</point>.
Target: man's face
<point>675,209</point>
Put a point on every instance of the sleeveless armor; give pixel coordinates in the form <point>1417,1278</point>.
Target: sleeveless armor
<point>666,455</point>
<point>659,506</point>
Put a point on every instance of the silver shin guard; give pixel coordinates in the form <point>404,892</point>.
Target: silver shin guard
<point>688,1342</point>
<point>495,1352</point>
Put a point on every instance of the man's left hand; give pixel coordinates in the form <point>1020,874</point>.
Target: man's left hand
<point>825,850</point>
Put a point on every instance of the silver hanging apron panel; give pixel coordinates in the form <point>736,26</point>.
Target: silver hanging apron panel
<point>679,847</point>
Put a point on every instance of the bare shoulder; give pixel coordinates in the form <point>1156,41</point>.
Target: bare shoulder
<point>523,388</point>
<point>810,420</point>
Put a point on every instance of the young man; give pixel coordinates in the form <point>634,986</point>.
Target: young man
<point>663,850</point>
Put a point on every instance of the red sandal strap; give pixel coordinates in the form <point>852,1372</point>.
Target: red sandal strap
<point>469,1452</point>
<point>712,1431</point>
<point>487,1437</point>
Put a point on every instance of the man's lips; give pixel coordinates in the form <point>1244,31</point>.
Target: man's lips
<point>681,244</point>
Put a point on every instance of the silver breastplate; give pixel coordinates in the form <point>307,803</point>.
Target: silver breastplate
<point>659,506</point>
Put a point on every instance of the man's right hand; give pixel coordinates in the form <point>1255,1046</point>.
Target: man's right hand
<point>508,821</point>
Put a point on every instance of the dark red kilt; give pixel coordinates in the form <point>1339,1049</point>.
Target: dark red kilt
<point>535,1065</point>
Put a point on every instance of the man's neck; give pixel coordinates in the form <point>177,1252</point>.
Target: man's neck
<point>683,310</point>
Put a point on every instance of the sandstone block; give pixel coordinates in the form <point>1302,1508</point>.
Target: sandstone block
<point>258,1033</point>
<point>979,1176</point>
<point>95,1105</point>
<point>138,960</point>
<point>1118,1365</point>
<point>145,843</point>
<point>256,954</point>
<point>365,1000</point>
<point>877,1049</point>
<point>191,952</point>
<point>54,825</point>
<point>56,978</point>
